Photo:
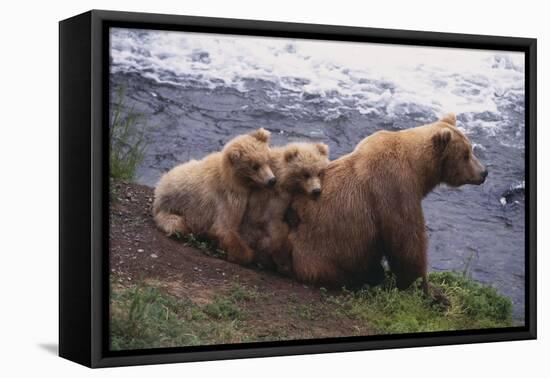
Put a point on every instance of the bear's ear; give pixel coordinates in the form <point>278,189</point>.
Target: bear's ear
<point>441,139</point>
<point>233,155</point>
<point>323,148</point>
<point>290,153</point>
<point>449,118</point>
<point>261,134</point>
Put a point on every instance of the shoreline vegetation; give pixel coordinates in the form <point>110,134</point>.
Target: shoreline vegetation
<point>127,141</point>
<point>144,315</point>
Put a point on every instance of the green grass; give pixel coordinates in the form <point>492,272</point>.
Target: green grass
<point>145,316</point>
<point>388,310</point>
<point>127,142</point>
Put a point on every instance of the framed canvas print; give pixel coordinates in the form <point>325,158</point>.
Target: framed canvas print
<point>233,188</point>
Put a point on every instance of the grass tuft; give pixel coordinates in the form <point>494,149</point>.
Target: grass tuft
<point>143,316</point>
<point>127,141</point>
<point>389,310</point>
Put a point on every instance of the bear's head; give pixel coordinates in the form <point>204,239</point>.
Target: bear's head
<point>304,167</point>
<point>459,165</point>
<point>248,158</point>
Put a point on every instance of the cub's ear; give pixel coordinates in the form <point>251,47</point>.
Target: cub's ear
<point>449,118</point>
<point>441,139</point>
<point>323,148</point>
<point>233,155</point>
<point>290,153</point>
<point>261,134</point>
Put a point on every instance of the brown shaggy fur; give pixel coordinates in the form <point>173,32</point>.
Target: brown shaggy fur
<point>298,168</point>
<point>371,206</point>
<point>210,196</point>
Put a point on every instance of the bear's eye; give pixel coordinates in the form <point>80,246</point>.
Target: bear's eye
<point>256,167</point>
<point>307,175</point>
<point>466,156</point>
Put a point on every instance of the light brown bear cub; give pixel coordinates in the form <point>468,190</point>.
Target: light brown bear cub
<point>299,168</point>
<point>209,197</point>
<point>371,206</point>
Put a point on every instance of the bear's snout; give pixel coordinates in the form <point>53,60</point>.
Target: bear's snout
<point>316,192</point>
<point>313,187</point>
<point>480,172</point>
<point>265,177</point>
<point>482,176</point>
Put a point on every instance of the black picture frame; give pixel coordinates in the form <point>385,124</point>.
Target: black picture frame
<point>83,181</point>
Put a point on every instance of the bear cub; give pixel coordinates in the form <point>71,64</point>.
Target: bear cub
<point>299,168</point>
<point>209,197</point>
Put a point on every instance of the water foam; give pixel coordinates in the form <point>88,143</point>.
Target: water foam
<point>393,80</point>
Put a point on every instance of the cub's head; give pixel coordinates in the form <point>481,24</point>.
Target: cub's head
<point>248,156</point>
<point>305,164</point>
<point>459,165</point>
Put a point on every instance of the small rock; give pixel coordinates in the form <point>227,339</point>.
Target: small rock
<point>141,251</point>
<point>153,256</point>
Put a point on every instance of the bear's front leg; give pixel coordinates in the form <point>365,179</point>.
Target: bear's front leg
<point>406,251</point>
<point>282,257</point>
<point>225,230</point>
<point>405,245</point>
<point>238,251</point>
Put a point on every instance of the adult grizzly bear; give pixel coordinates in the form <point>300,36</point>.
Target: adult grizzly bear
<point>298,168</point>
<point>210,196</point>
<point>371,206</point>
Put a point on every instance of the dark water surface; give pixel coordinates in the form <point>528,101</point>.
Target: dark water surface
<point>477,229</point>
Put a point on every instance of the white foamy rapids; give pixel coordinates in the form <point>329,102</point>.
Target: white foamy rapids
<point>370,78</point>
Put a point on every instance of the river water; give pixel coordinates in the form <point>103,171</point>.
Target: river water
<point>196,91</point>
